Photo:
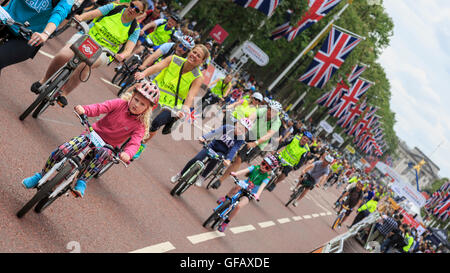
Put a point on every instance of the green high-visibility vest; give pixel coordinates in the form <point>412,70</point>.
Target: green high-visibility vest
<point>244,110</point>
<point>293,152</point>
<point>160,35</point>
<point>220,88</point>
<point>167,82</point>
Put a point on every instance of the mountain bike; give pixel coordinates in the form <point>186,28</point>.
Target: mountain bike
<point>307,179</point>
<point>86,50</point>
<point>65,172</point>
<point>223,210</point>
<point>215,174</point>
<point>339,218</point>
<point>7,20</point>
<point>190,176</point>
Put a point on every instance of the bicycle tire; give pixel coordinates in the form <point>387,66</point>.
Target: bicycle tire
<point>191,172</point>
<point>104,170</point>
<point>295,195</point>
<point>44,191</point>
<point>181,186</point>
<point>216,214</point>
<point>44,94</point>
<point>217,223</point>
<point>120,72</point>
<point>336,222</point>
<point>214,174</point>
<point>213,217</point>
<point>41,108</point>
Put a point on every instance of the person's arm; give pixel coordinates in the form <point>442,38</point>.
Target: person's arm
<point>263,139</point>
<point>235,104</point>
<point>154,68</point>
<point>133,145</point>
<point>307,168</point>
<point>242,172</point>
<point>95,110</point>
<point>90,15</point>
<point>151,59</point>
<point>129,46</point>
<point>195,87</point>
<point>227,91</point>
<point>322,180</point>
<point>148,26</point>
<point>214,82</point>
<point>214,133</point>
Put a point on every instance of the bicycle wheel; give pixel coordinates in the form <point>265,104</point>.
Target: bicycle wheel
<point>43,95</point>
<point>104,169</point>
<point>41,108</point>
<point>119,76</point>
<point>295,195</point>
<point>216,214</point>
<point>191,177</point>
<point>213,175</point>
<point>337,221</point>
<point>45,190</point>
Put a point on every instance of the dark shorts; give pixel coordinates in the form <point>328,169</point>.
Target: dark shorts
<point>16,50</point>
<point>164,118</point>
<point>286,170</point>
<point>308,181</point>
<point>247,154</point>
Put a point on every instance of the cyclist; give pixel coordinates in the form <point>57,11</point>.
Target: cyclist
<point>318,171</point>
<point>265,124</point>
<point>226,141</point>
<point>355,198</point>
<point>364,211</point>
<point>113,26</point>
<point>179,48</point>
<point>163,31</point>
<point>243,108</point>
<point>179,81</point>
<point>44,17</point>
<point>220,90</point>
<point>125,117</point>
<point>294,154</point>
<point>336,170</point>
<point>235,94</point>
<point>258,177</point>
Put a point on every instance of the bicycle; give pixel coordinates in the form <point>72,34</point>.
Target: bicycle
<point>339,218</point>
<point>223,210</point>
<point>7,20</point>
<point>213,176</point>
<point>86,50</point>
<point>299,190</point>
<point>67,170</point>
<point>276,172</point>
<point>330,182</point>
<point>190,176</point>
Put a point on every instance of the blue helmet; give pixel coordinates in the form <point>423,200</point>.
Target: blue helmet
<point>308,135</point>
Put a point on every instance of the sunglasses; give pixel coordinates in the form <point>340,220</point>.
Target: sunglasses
<point>136,9</point>
<point>266,166</point>
<point>183,47</point>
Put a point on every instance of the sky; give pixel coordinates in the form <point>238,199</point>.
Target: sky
<point>417,64</point>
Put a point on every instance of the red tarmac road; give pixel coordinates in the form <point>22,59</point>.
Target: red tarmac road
<point>131,209</point>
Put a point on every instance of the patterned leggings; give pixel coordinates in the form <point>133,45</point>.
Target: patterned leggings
<point>76,145</point>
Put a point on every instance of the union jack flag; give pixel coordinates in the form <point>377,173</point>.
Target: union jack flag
<point>356,72</point>
<point>282,29</point>
<point>351,98</point>
<point>265,6</point>
<point>347,120</point>
<point>363,124</point>
<point>330,98</point>
<point>317,10</point>
<point>335,49</point>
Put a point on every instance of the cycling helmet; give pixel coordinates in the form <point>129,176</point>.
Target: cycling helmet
<point>308,135</point>
<point>258,96</point>
<point>271,160</point>
<point>329,158</point>
<point>187,41</point>
<point>275,105</point>
<point>248,123</point>
<point>149,90</point>
<point>175,17</point>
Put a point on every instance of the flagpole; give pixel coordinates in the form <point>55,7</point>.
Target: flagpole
<point>188,8</point>
<point>309,47</point>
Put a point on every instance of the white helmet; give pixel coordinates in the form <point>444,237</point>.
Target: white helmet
<point>329,158</point>
<point>258,96</point>
<point>275,105</point>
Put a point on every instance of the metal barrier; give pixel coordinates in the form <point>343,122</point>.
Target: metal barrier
<point>336,245</point>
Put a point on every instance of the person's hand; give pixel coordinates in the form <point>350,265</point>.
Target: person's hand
<point>78,17</point>
<point>252,144</point>
<point>37,39</point>
<point>227,162</point>
<point>141,33</point>
<point>80,110</point>
<point>180,114</point>
<point>202,140</point>
<point>233,174</point>
<point>256,196</point>
<point>119,57</point>
<point>124,157</point>
<point>139,75</point>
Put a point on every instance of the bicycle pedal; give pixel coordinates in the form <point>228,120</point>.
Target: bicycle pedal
<point>61,101</point>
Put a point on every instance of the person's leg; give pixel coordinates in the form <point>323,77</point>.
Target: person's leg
<point>233,167</point>
<point>61,58</point>
<point>16,50</point>
<point>200,156</point>
<point>303,194</point>
<point>164,117</point>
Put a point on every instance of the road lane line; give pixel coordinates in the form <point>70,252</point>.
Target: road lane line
<point>159,248</point>
<point>110,83</point>
<point>315,215</point>
<point>323,214</point>
<point>307,217</point>
<point>284,220</point>
<point>297,218</point>
<point>199,238</point>
<point>241,229</point>
<point>266,224</point>
<point>46,54</point>
<point>329,213</point>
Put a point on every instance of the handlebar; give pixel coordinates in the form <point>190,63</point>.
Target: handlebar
<point>249,194</point>
<point>6,19</point>
<point>115,151</point>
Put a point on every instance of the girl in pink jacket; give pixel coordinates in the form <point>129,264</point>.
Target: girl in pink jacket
<point>126,117</point>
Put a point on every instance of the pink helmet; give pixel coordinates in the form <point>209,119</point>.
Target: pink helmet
<point>271,160</point>
<point>150,91</point>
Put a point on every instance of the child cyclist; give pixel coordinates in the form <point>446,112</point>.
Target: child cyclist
<point>258,177</point>
<point>228,139</point>
<point>125,117</point>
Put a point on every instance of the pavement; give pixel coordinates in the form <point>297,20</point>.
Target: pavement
<point>131,209</point>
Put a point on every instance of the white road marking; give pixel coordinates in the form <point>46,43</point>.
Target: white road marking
<point>266,224</point>
<point>241,229</point>
<point>329,213</point>
<point>297,218</point>
<point>159,248</point>
<point>284,220</point>
<point>110,83</point>
<point>315,215</point>
<point>46,54</point>
<point>199,238</point>
<point>307,217</point>
<point>323,214</point>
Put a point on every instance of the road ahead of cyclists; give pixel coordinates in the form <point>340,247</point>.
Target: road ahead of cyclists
<point>131,209</point>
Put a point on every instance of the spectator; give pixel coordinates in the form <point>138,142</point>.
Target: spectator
<point>382,229</point>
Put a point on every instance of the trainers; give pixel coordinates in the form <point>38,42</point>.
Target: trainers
<point>221,200</point>
<point>292,188</point>
<point>295,203</point>
<point>32,181</point>
<point>175,178</point>
<point>35,87</point>
<point>199,181</point>
<point>79,189</point>
<point>62,101</point>
<point>222,227</point>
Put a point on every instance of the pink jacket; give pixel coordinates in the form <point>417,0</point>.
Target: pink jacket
<point>117,125</point>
